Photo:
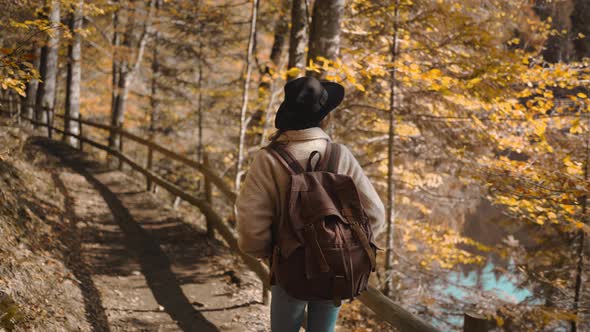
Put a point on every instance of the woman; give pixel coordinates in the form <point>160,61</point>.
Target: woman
<point>299,119</point>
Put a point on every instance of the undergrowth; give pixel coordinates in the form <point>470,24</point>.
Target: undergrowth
<point>37,291</point>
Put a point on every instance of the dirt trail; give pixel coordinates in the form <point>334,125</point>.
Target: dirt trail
<point>140,265</point>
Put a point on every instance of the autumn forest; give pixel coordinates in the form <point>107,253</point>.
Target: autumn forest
<point>471,118</point>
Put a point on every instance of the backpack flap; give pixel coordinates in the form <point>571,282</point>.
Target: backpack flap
<point>324,236</point>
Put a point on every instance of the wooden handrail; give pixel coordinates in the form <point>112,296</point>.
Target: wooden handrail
<point>393,313</point>
<point>223,187</point>
<point>384,307</point>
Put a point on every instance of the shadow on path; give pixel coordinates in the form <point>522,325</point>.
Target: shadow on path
<point>154,263</point>
<point>95,313</point>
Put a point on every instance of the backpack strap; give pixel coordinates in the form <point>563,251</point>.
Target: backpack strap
<point>329,162</point>
<point>333,156</point>
<point>310,168</point>
<point>285,157</point>
<point>323,162</point>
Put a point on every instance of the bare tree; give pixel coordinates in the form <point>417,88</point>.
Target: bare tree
<point>74,74</point>
<point>243,124</point>
<point>393,105</point>
<point>127,67</point>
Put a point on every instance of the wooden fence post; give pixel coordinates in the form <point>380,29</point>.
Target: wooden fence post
<point>119,129</point>
<point>150,156</point>
<point>66,133</point>
<point>19,111</point>
<point>49,122</point>
<point>30,120</point>
<point>474,322</point>
<point>34,118</point>
<point>81,133</point>
<point>176,202</point>
<point>10,104</point>
<point>208,196</point>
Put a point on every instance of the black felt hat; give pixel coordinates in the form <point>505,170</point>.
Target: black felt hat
<point>307,102</point>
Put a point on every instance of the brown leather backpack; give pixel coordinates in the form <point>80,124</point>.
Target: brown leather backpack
<point>323,244</point>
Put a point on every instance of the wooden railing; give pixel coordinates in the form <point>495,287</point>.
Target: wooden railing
<point>384,307</point>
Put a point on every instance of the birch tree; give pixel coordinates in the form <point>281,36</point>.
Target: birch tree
<point>393,104</point>
<point>244,108</point>
<point>74,74</point>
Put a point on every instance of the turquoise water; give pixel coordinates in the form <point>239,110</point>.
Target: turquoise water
<point>476,286</point>
<point>504,286</point>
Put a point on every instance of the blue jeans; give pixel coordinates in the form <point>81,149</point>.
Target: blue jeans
<point>286,313</point>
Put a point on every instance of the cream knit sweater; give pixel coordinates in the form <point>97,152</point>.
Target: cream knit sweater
<point>264,190</point>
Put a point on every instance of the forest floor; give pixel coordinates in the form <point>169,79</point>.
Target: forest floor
<point>115,257</point>
<point>138,264</point>
<point>148,269</point>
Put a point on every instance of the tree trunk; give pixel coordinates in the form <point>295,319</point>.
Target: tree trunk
<point>298,38</point>
<point>268,79</point>
<point>558,48</point>
<point>118,114</point>
<point>579,275</point>
<point>581,25</point>
<point>199,82</point>
<point>579,281</point>
<point>122,71</point>
<point>116,41</point>
<point>47,88</point>
<point>280,35</point>
<point>154,102</point>
<point>324,37</point>
<point>128,69</point>
<point>242,136</point>
<point>42,77</point>
<point>199,101</point>
<point>74,75</point>
<point>388,287</point>
<point>270,83</point>
<point>274,91</point>
<point>32,86</point>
